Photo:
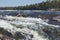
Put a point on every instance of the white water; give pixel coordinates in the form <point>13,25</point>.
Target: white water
<point>26,26</point>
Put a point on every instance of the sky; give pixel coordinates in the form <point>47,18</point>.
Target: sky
<point>6,3</point>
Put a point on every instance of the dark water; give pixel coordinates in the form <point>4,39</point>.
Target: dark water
<point>7,12</point>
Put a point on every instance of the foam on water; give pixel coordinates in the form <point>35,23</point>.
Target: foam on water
<point>26,26</point>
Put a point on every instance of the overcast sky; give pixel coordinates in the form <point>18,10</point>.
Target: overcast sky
<point>4,3</point>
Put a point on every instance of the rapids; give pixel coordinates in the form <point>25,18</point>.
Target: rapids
<point>28,28</point>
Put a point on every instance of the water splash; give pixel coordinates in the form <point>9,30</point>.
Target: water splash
<point>28,28</point>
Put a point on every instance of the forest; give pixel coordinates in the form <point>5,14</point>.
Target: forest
<point>45,5</point>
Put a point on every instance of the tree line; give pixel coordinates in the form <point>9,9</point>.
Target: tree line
<point>45,5</point>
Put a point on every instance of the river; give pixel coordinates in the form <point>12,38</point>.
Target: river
<point>28,28</point>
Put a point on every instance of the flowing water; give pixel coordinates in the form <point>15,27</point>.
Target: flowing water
<point>28,28</point>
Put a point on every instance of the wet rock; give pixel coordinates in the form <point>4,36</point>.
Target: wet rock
<point>31,36</point>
